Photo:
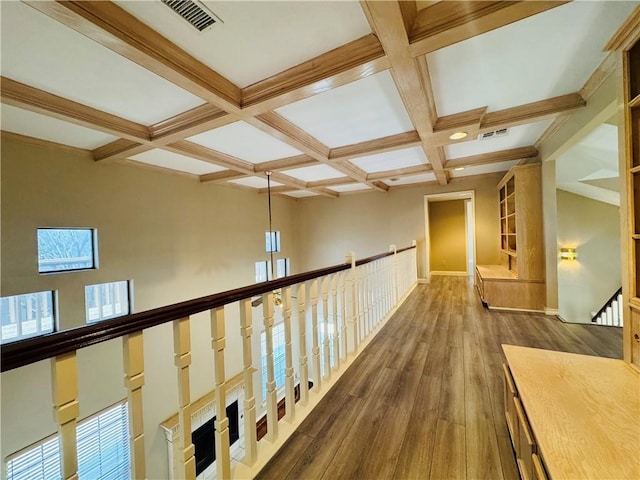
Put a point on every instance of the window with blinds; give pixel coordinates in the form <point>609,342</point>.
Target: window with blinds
<point>103,451</point>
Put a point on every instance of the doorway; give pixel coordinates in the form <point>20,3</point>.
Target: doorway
<point>450,233</point>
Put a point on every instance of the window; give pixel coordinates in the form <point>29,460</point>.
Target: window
<point>106,300</point>
<point>278,357</point>
<point>263,271</point>
<point>27,315</point>
<point>103,451</point>
<point>283,268</point>
<point>272,241</point>
<point>66,249</point>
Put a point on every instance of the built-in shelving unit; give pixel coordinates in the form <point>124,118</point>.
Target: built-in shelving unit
<point>631,165</point>
<point>518,281</point>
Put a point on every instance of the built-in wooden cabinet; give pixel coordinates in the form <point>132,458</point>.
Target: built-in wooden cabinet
<point>518,281</point>
<point>626,42</point>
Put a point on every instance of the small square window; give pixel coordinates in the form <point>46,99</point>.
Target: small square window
<point>66,249</point>
<point>272,241</point>
<point>27,315</point>
<point>107,300</point>
<point>283,268</point>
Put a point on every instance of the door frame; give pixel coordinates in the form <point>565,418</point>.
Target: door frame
<point>443,197</point>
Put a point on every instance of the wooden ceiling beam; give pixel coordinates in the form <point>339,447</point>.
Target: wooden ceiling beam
<point>400,172</point>
<point>447,23</point>
<point>345,64</point>
<point>493,157</point>
<point>29,98</point>
<point>221,177</point>
<point>286,163</point>
<point>331,182</point>
<point>113,27</point>
<point>192,122</point>
<point>119,149</point>
<point>372,147</point>
<point>387,21</point>
<point>209,155</point>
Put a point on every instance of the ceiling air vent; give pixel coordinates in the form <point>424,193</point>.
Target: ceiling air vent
<point>503,132</point>
<point>199,16</point>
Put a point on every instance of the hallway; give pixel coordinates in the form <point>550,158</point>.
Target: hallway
<point>425,398</point>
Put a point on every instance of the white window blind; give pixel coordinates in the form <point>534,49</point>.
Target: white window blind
<point>103,451</point>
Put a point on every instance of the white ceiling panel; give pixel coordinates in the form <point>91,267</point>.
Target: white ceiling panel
<point>520,136</point>
<point>42,53</point>
<point>246,142</point>
<point>353,187</point>
<point>363,110</point>
<point>255,182</point>
<point>528,60</point>
<point>24,122</point>
<point>481,169</point>
<point>243,48</point>
<point>423,177</point>
<point>301,194</point>
<point>175,161</point>
<point>407,157</point>
<point>314,173</point>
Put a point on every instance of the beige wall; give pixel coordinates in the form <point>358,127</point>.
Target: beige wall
<point>369,222</point>
<point>176,238</point>
<point>447,236</point>
<point>593,228</point>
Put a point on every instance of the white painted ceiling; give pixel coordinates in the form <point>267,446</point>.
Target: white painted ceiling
<point>590,168</point>
<point>542,56</point>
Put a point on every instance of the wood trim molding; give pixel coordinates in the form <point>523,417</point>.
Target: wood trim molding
<point>29,98</point>
<point>208,155</point>
<point>606,68</point>
<point>116,29</point>
<point>347,63</point>
<point>493,157</point>
<point>446,23</point>
<point>119,149</point>
<point>10,136</point>
<point>221,177</point>
<point>286,163</point>
<point>627,35</point>
<point>379,145</point>
<point>400,172</point>
<point>192,122</point>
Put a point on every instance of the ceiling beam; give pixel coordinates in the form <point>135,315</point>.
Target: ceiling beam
<point>29,98</point>
<point>79,152</point>
<point>400,172</point>
<point>113,27</point>
<point>287,163</point>
<point>347,63</point>
<point>493,157</point>
<point>447,23</point>
<point>192,122</point>
<point>387,21</point>
<point>372,147</point>
<point>119,149</point>
<point>221,177</point>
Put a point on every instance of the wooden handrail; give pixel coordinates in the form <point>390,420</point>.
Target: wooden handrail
<point>25,352</point>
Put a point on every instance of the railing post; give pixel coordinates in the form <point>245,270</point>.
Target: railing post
<point>302,326</point>
<point>325,322</point>
<point>395,287</point>
<point>182,360</point>
<point>272,394</point>
<point>336,324</point>
<point>312,288</point>
<point>289,381</point>
<point>250,434</point>
<point>218,341</point>
<point>64,374</point>
<point>133,360</point>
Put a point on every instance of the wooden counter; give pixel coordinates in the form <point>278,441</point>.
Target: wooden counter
<point>583,413</point>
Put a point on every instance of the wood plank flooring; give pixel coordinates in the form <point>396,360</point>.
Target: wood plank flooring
<point>424,400</point>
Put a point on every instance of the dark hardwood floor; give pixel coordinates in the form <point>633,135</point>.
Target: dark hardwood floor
<point>425,399</point>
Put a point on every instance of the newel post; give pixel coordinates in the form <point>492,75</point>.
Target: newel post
<point>394,276</point>
<point>351,304</point>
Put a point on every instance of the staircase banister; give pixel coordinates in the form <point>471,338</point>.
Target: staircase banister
<point>31,350</point>
<point>607,303</point>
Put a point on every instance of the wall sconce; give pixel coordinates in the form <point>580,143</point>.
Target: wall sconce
<point>568,254</point>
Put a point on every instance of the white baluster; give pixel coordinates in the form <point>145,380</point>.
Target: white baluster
<point>615,313</point>
<point>302,326</point>
<point>609,316</point>
<point>64,375</point>
<point>325,324</point>
<point>250,435</point>
<point>336,326</point>
<point>289,381</point>
<point>218,341</point>
<point>620,311</point>
<point>343,314</point>
<point>312,290</point>
<point>272,394</point>
<point>182,360</point>
<point>133,362</point>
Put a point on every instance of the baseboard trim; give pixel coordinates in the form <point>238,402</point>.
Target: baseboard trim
<point>423,281</point>
<point>450,274</point>
<point>551,311</point>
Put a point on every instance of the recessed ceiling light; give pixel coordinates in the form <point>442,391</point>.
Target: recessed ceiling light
<point>457,169</point>
<point>458,135</point>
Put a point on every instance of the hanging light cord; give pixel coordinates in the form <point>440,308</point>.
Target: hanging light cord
<point>271,239</point>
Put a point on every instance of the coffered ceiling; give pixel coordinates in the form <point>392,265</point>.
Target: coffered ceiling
<point>334,98</point>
